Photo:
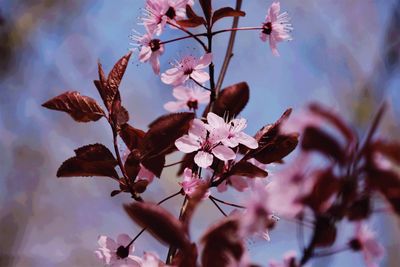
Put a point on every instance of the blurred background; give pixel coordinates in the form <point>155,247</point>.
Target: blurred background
<point>345,54</point>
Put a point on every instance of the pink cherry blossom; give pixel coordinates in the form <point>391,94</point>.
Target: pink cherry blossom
<point>232,130</point>
<point>150,50</point>
<point>276,27</point>
<point>365,241</point>
<point>158,12</point>
<point>190,183</point>
<point>151,259</point>
<point>115,253</point>
<point>188,67</point>
<point>145,174</point>
<point>198,140</point>
<point>289,260</point>
<point>187,97</point>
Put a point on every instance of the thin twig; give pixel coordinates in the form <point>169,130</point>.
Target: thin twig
<point>218,207</point>
<point>229,50</point>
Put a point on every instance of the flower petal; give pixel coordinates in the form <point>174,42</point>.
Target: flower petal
<point>203,159</point>
<point>247,140</point>
<point>224,153</point>
<point>200,76</point>
<point>204,61</point>
<point>106,242</point>
<point>123,240</point>
<point>173,106</point>
<point>187,144</point>
<point>215,121</point>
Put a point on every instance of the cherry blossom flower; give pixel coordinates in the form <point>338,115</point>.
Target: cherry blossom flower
<point>145,174</point>
<point>187,97</point>
<point>188,67</point>
<point>232,130</point>
<point>276,27</point>
<point>365,241</point>
<point>116,253</point>
<point>289,260</point>
<point>190,183</point>
<point>198,140</point>
<point>150,50</point>
<point>152,260</point>
<point>159,12</point>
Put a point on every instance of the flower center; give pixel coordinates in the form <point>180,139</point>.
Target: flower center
<point>267,28</point>
<point>155,44</point>
<point>188,71</point>
<point>192,104</point>
<point>170,13</point>
<point>122,252</point>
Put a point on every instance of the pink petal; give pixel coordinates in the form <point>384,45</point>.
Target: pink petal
<point>106,242</point>
<point>200,76</point>
<point>204,61</point>
<point>273,11</point>
<point>171,76</point>
<point>181,93</point>
<point>215,121</point>
<point>173,106</point>
<point>123,239</point>
<point>187,144</point>
<point>247,140</point>
<point>224,153</point>
<point>203,159</point>
<point>145,54</point>
<point>133,261</point>
<point>198,129</point>
<point>272,44</point>
<point>155,63</point>
<point>145,174</point>
<point>239,183</point>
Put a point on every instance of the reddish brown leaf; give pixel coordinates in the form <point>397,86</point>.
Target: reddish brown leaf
<point>388,149</point>
<point>226,12</point>
<point>207,9</point>
<point>187,162</point>
<point>244,168</point>
<point>360,209</point>
<point>90,160</point>
<point>140,186</point>
<point>222,243</point>
<point>132,164</point>
<point>131,136</point>
<point>334,120</point>
<point>388,183</point>
<point>190,12</point>
<point>315,139</point>
<point>324,233</point>
<point>324,188</point>
<point>80,108</point>
<point>102,87</point>
<point>231,101</point>
<point>119,114</point>
<point>276,149</point>
<point>163,132</point>
<point>160,223</point>
<point>191,23</point>
<point>115,76</point>
<point>155,164</point>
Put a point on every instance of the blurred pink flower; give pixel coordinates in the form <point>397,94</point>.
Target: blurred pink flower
<point>150,50</point>
<point>232,130</point>
<point>188,67</point>
<point>152,260</point>
<point>289,260</point>
<point>158,12</point>
<point>206,146</point>
<point>276,27</point>
<point>145,174</point>
<point>187,97</point>
<point>115,253</point>
<point>190,183</point>
<point>365,241</point>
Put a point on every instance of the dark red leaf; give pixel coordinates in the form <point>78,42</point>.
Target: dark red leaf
<point>80,108</point>
<point>119,114</point>
<point>115,192</point>
<point>155,164</point>
<point>192,22</point>
<point>324,233</point>
<point>315,139</point>
<point>325,187</point>
<point>140,186</point>
<point>388,183</point>
<point>187,162</point>
<point>102,87</point>
<point>222,243</point>
<point>388,149</point>
<point>231,100</point>
<point>244,168</point>
<point>334,120</point>
<point>132,164</point>
<point>276,149</point>
<point>190,12</point>
<point>226,12</point>
<point>163,132</point>
<point>207,9</point>
<point>90,160</point>
<point>160,223</point>
<point>360,209</point>
<point>131,136</point>
<point>115,76</point>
